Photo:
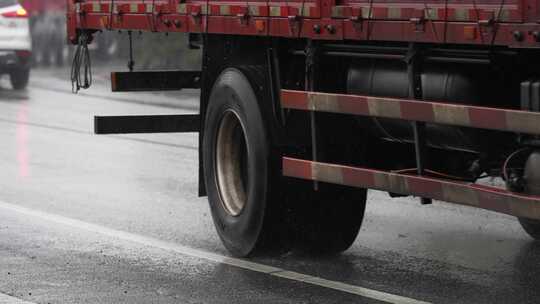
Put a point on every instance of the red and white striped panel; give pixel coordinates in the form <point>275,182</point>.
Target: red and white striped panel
<point>508,13</point>
<point>308,10</point>
<point>236,10</point>
<point>124,8</point>
<point>469,194</point>
<point>414,110</point>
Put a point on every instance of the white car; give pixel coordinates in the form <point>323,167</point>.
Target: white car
<point>15,43</point>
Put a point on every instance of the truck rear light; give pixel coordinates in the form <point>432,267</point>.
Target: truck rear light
<point>19,13</point>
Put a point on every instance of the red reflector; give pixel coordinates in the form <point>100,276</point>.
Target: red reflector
<point>23,54</point>
<point>19,13</point>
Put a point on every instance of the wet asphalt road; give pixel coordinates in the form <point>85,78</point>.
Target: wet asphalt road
<point>54,170</point>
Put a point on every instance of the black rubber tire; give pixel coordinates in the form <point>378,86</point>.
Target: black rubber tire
<point>261,225</point>
<point>329,219</point>
<point>532,227</point>
<point>19,78</point>
<point>532,187</point>
<point>531,176</point>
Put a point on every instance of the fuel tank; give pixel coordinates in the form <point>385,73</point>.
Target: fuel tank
<point>441,82</point>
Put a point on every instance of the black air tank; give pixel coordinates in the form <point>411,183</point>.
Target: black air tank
<point>444,82</point>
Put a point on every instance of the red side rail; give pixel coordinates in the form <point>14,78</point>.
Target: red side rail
<point>415,110</point>
<point>481,22</point>
<point>470,194</point>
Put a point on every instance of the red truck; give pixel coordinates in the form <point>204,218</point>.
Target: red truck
<point>305,104</point>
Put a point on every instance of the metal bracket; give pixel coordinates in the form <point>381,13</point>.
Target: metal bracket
<point>294,22</point>
<point>311,67</point>
<point>419,24</point>
<point>131,62</point>
<point>146,124</point>
<point>243,18</point>
<point>154,81</point>
<point>414,61</point>
<point>357,22</point>
<point>274,75</point>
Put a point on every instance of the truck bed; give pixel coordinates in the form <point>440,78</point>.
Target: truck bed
<point>481,22</point>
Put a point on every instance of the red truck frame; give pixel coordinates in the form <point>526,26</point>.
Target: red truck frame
<point>483,22</point>
<point>305,104</point>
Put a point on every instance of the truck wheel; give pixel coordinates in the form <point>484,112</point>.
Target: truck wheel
<point>329,219</point>
<point>241,174</point>
<point>532,227</point>
<point>19,78</point>
<point>532,187</point>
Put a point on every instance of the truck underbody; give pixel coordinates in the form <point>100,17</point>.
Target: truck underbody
<point>306,105</point>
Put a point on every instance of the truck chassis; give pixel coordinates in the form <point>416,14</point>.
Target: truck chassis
<point>304,105</point>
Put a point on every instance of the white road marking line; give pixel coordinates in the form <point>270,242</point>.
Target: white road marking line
<point>7,299</point>
<point>217,258</point>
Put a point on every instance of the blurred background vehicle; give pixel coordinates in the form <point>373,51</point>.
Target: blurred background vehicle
<point>47,23</point>
<point>15,43</point>
<point>50,48</point>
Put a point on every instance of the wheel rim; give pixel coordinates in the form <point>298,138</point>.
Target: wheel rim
<point>231,163</point>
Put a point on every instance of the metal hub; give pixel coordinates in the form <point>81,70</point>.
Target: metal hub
<point>231,163</point>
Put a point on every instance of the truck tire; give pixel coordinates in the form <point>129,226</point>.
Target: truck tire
<point>532,187</point>
<point>19,78</point>
<point>328,219</point>
<point>532,227</point>
<point>241,173</point>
